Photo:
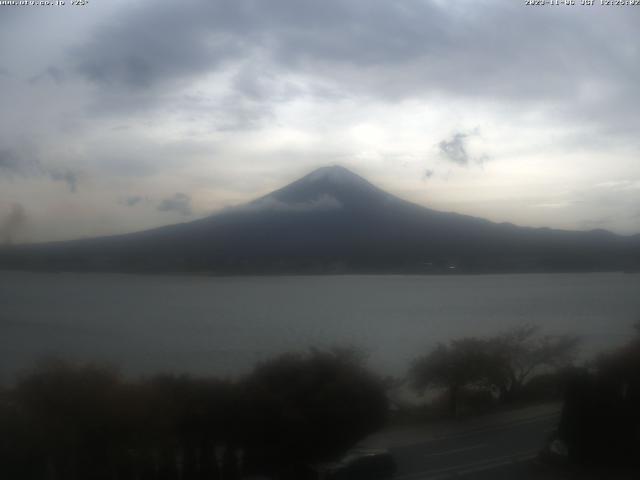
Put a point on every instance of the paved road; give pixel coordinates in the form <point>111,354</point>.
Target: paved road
<point>499,447</point>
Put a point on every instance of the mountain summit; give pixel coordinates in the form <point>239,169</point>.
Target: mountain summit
<point>336,175</point>
<point>328,186</point>
<point>329,221</point>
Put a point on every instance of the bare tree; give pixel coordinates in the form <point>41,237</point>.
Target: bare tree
<point>503,363</point>
<point>518,354</point>
<point>459,364</point>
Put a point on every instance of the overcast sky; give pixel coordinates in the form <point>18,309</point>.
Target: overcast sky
<point>123,115</point>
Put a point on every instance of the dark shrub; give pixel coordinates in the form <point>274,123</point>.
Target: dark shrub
<point>600,421</point>
<point>308,408</point>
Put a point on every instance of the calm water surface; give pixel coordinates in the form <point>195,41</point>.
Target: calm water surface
<point>222,325</point>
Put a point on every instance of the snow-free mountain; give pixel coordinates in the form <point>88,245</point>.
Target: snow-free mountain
<point>333,220</point>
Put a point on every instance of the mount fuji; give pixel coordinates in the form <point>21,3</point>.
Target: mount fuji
<point>334,221</point>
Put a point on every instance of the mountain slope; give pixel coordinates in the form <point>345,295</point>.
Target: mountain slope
<point>332,220</point>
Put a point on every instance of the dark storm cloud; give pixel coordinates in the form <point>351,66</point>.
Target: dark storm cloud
<point>387,49</point>
<point>180,203</point>
<point>13,165</point>
<point>148,46</point>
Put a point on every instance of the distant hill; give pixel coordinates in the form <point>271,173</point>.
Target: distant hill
<point>334,221</point>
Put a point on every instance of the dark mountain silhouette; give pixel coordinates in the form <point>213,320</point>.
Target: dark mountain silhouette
<point>332,220</point>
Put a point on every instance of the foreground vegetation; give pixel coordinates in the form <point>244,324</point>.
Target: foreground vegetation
<point>514,366</point>
<point>86,422</point>
<point>600,422</point>
<point>67,421</point>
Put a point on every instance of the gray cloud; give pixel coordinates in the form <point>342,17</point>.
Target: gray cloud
<point>132,201</point>
<point>253,83</point>
<point>13,164</point>
<point>134,51</point>
<point>67,176</point>
<point>180,203</point>
<point>322,203</point>
<point>132,54</point>
<point>361,45</point>
<point>368,50</point>
<point>428,173</point>
<point>240,114</point>
<point>455,149</point>
<point>12,223</point>
<point>52,73</point>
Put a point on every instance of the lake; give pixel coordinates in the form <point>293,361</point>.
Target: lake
<point>222,325</point>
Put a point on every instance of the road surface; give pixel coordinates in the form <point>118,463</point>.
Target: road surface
<point>499,446</point>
